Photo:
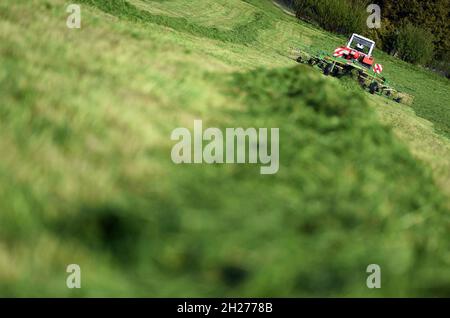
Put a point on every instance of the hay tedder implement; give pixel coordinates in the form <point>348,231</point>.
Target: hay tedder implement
<point>355,60</point>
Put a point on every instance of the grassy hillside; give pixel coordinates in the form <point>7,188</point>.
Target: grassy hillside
<point>86,175</point>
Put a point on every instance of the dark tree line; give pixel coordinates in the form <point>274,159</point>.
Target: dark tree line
<point>432,16</point>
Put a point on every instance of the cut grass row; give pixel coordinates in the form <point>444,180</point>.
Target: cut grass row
<point>218,14</point>
<point>244,33</point>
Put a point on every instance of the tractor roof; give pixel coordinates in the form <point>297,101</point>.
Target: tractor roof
<point>364,38</point>
<point>366,43</point>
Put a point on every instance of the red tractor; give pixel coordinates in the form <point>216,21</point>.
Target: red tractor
<point>355,59</point>
<point>358,49</point>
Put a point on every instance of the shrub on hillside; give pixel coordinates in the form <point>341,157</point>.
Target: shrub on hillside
<point>429,15</point>
<point>385,36</point>
<point>414,44</point>
<point>340,16</point>
<point>442,65</point>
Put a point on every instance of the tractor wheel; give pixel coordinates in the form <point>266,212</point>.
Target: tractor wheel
<point>311,61</point>
<point>362,82</point>
<point>327,69</point>
<point>337,72</point>
<point>373,87</point>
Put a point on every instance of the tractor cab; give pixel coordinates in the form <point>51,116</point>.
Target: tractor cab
<point>361,44</point>
<point>360,48</point>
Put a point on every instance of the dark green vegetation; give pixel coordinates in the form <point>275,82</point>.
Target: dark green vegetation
<point>414,44</point>
<point>420,22</point>
<point>86,175</point>
<point>340,16</point>
<point>431,16</point>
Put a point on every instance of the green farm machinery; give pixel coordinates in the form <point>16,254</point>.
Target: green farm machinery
<point>356,60</point>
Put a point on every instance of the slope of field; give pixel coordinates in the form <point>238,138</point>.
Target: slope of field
<point>86,175</point>
<point>212,14</point>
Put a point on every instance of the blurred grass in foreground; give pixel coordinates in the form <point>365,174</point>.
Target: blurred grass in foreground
<point>86,176</point>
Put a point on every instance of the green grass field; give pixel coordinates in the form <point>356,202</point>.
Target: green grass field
<point>86,175</point>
